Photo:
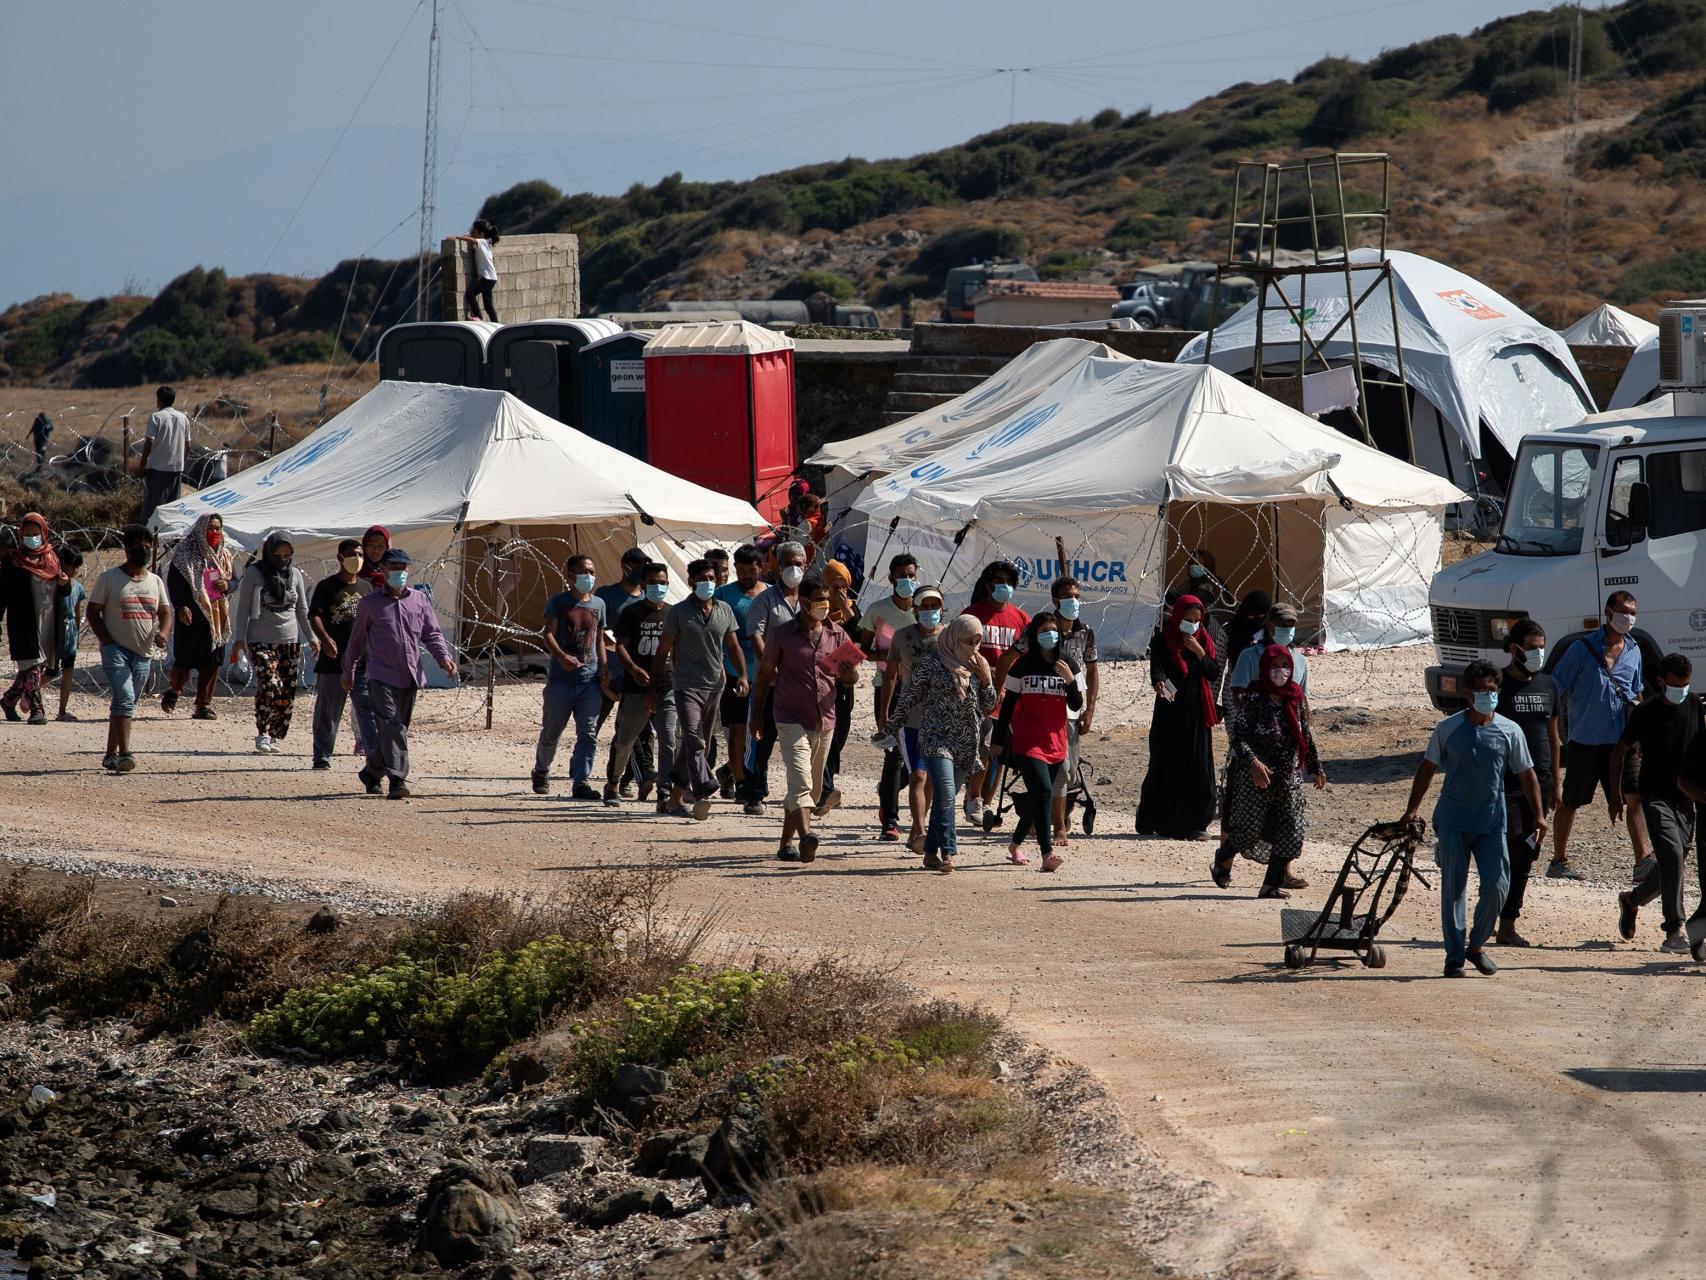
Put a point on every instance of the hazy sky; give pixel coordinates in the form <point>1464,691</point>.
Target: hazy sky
<point>144,138</point>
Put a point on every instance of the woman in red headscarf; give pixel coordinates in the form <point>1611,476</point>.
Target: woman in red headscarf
<point>1272,754</point>
<point>1179,797</point>
<point>30,583</point>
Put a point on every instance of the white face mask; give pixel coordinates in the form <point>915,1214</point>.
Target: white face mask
<point>793,575</point>
<point>1188,628</point>
<point>1622,623</point>
<point>1279,677</point>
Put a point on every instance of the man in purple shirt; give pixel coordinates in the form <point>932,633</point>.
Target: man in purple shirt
<point>392,625</point>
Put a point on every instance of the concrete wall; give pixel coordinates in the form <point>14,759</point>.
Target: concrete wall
<point>1010,340</point>
<point>1025,309</point>
<point>539,277</point>
<point>840,389</point>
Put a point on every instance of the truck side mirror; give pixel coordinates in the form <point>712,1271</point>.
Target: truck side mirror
<point>1640,506</point>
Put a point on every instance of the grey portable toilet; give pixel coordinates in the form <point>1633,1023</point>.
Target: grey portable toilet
<point>449,351</point>
<point>612,404</point>
<point>537,361</point>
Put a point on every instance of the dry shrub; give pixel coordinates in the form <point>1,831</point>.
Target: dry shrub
<point>30,907</point>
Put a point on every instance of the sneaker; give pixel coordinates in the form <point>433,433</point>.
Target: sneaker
<point>1017,857</point>
<point>541,784</point>
<point>1675,945</point>
<point>38,717</point>
<point>208,713</point>
<point>1645,865</point>
<point>126,762</point>
<point>787,853</point>
<point>368,781</point>
<point>263,744</point>
<point>110,763</point>
<point>1484,962</point>
<point>828,805</point>
<point>753,808</point>
<point>322,765</point>
<point>583,792</point>
<point>701,809</point>
<point>1560,869</point>
<point>1053,862</point>
<point>399,790</point>
<point>808,847</point>
<point>611,798</point>
<point>1626,916</point>
<point>891,831</point>
<point>168,702</point>
<point>974,810</point>
<point>10,708</point>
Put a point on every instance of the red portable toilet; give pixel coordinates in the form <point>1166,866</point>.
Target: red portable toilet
<point>720,409</point>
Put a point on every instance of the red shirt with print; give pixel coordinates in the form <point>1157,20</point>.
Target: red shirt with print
<point>1002,625</point>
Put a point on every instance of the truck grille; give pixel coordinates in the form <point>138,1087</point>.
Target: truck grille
<point>1460,627</point>
<point>1458,653</point>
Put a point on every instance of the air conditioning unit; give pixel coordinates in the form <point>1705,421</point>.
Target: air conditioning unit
<point>1682,346</point>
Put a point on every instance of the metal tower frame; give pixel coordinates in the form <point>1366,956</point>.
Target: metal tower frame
<point>429,170</point>
<point>1260,189</point>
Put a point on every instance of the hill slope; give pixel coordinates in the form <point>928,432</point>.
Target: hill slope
<point>1476,124</point>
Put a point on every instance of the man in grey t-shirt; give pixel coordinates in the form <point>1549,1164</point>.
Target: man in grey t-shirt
<point>699,633</point>
<point>778,603</point>
<point>164,447</point>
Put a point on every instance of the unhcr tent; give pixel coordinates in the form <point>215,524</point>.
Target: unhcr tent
<point>487,495</point>
<point>1481,371</point>
<point>1131,464</point>
<point>1609,326</point>
<point>1640,380</point>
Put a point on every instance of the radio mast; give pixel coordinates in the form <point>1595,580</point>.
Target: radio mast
<point>429,171</point>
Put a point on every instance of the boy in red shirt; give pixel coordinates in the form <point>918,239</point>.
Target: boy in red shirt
<point>1003,622</point>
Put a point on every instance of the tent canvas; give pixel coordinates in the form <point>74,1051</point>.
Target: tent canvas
<point>1609,326</point>
<point>1127,461</point>
<point>466,480</point>
<point>1640,380</point>
<point>1475,355</point>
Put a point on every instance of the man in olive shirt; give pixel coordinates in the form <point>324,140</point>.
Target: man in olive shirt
<point>698,634</point>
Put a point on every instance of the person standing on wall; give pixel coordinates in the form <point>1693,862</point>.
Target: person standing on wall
<point>391,628</point>
<point>1530,700</point>
<point>131,617</point>
<point>483,279</point>
<point>164,447</point>
<point>331,613</point>
<point>1475,749</point>
<point>779,604</point>
<point>1600,675</point>
<point>877,629</point>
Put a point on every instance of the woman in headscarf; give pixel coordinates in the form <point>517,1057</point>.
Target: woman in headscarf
<point>1242,631</point>
<point>844,611</point>
<point>30,584</point>
<point>198,580</point>
<point>1179,792</point>
<point>954,690</point>
<point>1273,752</point>
<point>374,544</point>
<point>271,621</point>
<point>1041,688</point>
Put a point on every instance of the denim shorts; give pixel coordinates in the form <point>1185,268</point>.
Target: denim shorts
<point>127,675</point>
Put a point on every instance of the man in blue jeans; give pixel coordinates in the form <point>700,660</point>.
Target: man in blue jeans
<point>575,638</point>
<point>131,617</point>
<point>1475,749</point>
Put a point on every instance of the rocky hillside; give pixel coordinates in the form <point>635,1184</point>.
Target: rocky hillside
<point>1476,124</point>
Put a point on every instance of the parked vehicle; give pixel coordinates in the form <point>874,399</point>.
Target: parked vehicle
<point>1145,302</point>
<point>965,283</point>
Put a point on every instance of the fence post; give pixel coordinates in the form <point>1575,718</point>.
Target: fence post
<point>124,456</point>
<point>491,684</point>
<point>272,436</point>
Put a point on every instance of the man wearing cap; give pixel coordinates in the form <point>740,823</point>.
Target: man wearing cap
<point>392,626</point>
<point>1281,629</point>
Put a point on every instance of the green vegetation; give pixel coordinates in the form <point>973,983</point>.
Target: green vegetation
<point>1065,262</point>
<point>1683,275</point>
<point>693,1013</point>
<point>961,245</point>
<point>808,283</point>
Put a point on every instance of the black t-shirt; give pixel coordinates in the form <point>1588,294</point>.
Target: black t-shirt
<point>1665,732</point>
<point>1531,705</point>
<point>639,630</point>
<point>333,603</point>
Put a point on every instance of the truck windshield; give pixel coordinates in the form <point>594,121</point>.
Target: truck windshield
<point>1548,509</point>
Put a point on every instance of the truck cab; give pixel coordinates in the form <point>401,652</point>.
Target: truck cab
<point>965,283</point>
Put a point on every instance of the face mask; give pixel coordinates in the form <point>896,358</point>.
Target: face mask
<point>32,541</point>
<point>1676,693</point>
<point>656,591</point>
<point>904,587</point>
<point>1188,628</point>
<point>1283,636</point>
<point>1048,639</point>
<point>1198,573</point>
<point>350,564</point>
<point>136,556</point>
<point>820,611</point>
<point>1485,701</point>
<point>793,575</point>
<point>930,617</point>
<point>1279,677</point>
<point>1622,623</point>
<point>1534,659</point>
<point>1068,608</point>
<point>704,589</point>
<point>1001,592</point>
<point>584,583</point>
<point>214,537</point>
<point>397,579</point>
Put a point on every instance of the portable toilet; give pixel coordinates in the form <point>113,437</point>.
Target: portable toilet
<point>612,403</point>
<point>449,351</point>
<point>539,362</point>
<point>720,409</point>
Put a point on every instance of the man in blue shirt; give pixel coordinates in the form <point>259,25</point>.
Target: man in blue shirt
<point>1281,629</point>
<point>1475,749</point>
<point>1600,675</point>
<point>574,636</point>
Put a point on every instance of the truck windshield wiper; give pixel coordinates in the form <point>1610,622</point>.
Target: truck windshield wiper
<point>1506,542</point>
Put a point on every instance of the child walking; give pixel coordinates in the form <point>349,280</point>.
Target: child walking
<point>72,596</point>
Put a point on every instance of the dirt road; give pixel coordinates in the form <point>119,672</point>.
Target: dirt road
<point>1356,1122</point>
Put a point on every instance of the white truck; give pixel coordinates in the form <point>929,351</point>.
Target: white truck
<point>1616,502</point>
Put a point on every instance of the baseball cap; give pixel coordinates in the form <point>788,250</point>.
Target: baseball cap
<point>922,594</point>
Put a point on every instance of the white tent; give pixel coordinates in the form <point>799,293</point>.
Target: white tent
<point>1132,463</point>
<point>1609,326</point>
<point>1640,380</point>
<point>467,481</point>
<point>1474,359</point>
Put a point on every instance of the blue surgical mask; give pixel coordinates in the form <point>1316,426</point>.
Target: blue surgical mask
<point>397,579</point>
<point>1068,608</point>
<point>930,617</point>
<point>1048,639</point>
<point>1534,659</point>
<point>1485,701</point>
<point>656,591</point>
<point>904,587</point>
<point>1198,573</point>
<point>1188,628</point>
<point>1283,636</point>
<point>704,588</point>
<point>1676,693</point>
<point>32,541</point>
<point>584,583</point>
<point>1001,592</point>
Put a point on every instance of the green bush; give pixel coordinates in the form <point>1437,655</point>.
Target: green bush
<point>1065,262</point>
<point>304,348</point>
<point>352,1015</point>
<point>807,283</point>
<point>762,207</point>
<point>898,289</point>
<point>1531,84</point>
<point>511,208</point>
<point>1139,231</point>
<point>1682,273</point>
<point>1107,118</point>
<point>688,1014</point>
<point>1351,110</point>
<point>861,196</point>
<point>960,246</point>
